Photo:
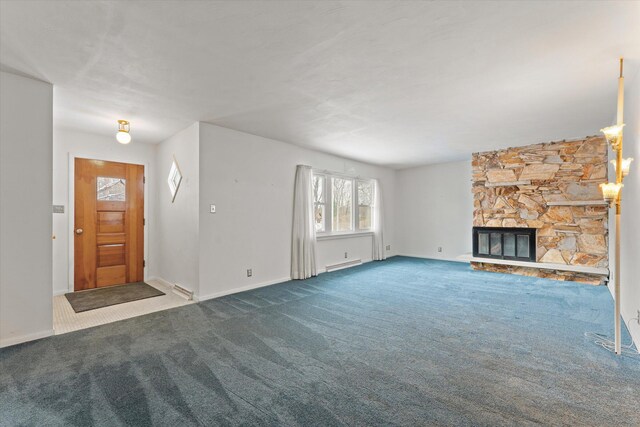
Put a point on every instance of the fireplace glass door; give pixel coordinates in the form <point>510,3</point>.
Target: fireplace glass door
<point>509,241</point>
<point>505,243</point>
<point>483,243</point>
<point>523,246</point>
<point>496,244</point>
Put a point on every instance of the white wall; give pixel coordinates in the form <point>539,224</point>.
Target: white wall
<point>68,143</point>
<point>26,120</point>
<point>177,222</point>
<point>435,209</point>
<point>250,180</point>
<point>630,224</point>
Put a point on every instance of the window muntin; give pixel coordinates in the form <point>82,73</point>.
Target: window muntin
<point>342,204</point>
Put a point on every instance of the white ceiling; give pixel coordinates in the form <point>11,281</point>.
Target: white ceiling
<point>392,83</point>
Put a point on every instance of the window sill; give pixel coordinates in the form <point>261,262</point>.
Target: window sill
<point>330,236</point>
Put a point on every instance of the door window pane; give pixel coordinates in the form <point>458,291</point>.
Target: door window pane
<point>341,213</point>
<point>496,244</point>
<point>111,189</point>
<point>483,243</point>
<point>509,244</point>
<point>523,246</point>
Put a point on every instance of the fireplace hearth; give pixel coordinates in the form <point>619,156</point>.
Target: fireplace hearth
<point>514,243</point>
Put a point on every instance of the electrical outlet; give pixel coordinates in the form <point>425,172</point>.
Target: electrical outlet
<point>388,247</point>
<point>439,248</point>
<point>249,272</point>
<point>345,254</point>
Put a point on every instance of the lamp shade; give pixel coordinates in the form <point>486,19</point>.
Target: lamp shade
<point>123,137</point>
<point>610,191</point>
<point>626,165</point>
<point>612,134</point>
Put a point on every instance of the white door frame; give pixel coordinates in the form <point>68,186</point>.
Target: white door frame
<point>72,209</point>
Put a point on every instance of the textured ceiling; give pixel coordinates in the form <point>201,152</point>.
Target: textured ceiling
<point>392,83</point>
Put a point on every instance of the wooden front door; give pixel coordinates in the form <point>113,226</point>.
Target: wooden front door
<point>109,224</point>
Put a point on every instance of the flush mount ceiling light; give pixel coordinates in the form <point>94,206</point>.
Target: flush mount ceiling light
<point>123,135</point>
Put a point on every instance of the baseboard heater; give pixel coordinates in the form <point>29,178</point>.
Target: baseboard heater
<point>183,292</point>
<point>340,266</point>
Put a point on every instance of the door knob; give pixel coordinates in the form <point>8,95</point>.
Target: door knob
<point>79,230</point>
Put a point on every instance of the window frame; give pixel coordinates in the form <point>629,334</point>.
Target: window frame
<point>355,204</point>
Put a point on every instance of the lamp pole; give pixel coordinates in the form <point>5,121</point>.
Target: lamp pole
<point>618,148</point>
<point>612,193</point>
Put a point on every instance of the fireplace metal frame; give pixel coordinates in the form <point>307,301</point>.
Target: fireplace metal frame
<point>531,232</point>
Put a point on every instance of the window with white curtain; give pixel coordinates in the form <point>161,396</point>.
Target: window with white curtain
<point>342,204</point>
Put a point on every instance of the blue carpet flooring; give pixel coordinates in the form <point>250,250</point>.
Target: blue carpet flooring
<point>401,342</point>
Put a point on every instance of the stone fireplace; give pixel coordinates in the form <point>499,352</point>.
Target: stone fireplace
<point>552,188</point>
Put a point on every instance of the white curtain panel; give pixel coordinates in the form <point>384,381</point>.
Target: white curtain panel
<point>303,246</point>
<point>378,223</point>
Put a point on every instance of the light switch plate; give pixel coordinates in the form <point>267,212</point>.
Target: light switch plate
<point>213,209</point>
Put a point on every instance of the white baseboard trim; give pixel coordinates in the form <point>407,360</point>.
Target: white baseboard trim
<point>176,288</point>
<point>160,281</point>
<point>364,261</point>
<point>61,292</point>
<point>199,298</point>
<point>432,257</point>
<point>342,265</point>
<point>6,342</point>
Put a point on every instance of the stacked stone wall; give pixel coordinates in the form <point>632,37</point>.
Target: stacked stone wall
<point>553,187</point>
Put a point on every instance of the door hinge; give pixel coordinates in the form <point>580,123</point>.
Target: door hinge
<point>144,221</point>
<point>144,179</point>
<point>144,263</point>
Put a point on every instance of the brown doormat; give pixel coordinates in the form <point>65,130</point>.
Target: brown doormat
<point>112,295</point>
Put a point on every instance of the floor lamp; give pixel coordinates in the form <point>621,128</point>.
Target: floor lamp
<point>612,193</point>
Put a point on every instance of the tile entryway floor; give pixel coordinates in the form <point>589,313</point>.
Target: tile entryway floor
<point>66,320</point>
